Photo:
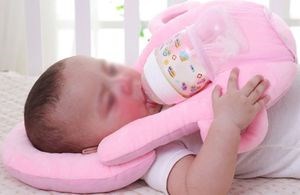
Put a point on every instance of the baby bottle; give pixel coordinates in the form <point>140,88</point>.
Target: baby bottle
<point>186,63</point>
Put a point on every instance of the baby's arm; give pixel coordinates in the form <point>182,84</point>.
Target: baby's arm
<point>211,171</point>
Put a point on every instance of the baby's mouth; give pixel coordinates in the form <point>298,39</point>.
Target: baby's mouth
<point>151,105</point>
<point>146,99</point>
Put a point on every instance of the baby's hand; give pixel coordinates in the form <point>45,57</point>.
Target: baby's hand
<point>239,107</point>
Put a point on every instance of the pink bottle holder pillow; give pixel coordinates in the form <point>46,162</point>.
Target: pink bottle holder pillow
<point>270,52</point>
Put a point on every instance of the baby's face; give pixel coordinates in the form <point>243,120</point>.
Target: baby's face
<point>99,97</point>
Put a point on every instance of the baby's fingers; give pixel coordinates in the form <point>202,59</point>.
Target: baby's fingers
<point>260,104</point>
<point>258,91</point>
<point>251,85</point>
<point>217,92</point>
<point>233,80</point>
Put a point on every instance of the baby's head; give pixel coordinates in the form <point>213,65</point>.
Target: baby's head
<point>79,100</point>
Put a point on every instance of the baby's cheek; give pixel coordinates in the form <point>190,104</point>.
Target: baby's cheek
<point>134,110</point>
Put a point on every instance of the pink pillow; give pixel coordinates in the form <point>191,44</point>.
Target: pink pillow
<point>66,172</point>
<point>271,52</point>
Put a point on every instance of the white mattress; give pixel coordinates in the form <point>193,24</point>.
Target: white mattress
<point>13,92</point>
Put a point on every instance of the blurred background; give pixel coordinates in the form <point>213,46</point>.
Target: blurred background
<point>107,36</point>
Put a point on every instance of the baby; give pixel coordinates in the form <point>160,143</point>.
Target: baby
<point>80,100</point>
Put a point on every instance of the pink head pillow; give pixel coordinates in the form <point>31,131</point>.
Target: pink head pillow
<point>67,172</point>
<point>121,159</point>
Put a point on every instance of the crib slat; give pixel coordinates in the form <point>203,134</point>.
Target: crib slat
<point>282,8</point>
<point>131,30</point>
<point>34,37</point>
<point>82,27</point>
<point>173,2</point>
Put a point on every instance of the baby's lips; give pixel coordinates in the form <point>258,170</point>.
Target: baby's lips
<point>148,99</point>
<point>152,106</point>
<point>144,94</point>
<point>140,95</point>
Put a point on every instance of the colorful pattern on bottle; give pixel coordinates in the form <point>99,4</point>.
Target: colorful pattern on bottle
<point>181,66</point>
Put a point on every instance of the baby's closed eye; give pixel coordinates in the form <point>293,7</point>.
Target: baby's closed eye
<point>113,70</point>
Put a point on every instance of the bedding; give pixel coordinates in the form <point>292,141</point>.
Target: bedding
<point>13,92</point>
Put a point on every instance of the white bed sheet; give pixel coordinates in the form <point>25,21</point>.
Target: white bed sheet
<point>13,92</point>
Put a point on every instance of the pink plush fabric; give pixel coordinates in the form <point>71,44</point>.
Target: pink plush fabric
<point>271,53</point>
<point>65,172</point>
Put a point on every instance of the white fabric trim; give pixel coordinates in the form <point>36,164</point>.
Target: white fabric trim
<point>167,157</point>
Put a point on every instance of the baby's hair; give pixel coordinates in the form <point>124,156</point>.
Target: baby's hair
<point>44,132</point>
